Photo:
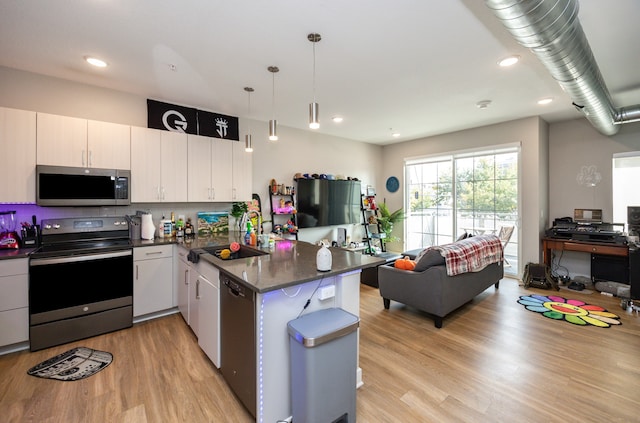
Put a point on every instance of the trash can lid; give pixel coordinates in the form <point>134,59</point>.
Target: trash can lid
<point>322,326</point>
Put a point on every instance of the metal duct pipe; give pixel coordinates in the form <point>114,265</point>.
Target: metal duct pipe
<point>552,31</point>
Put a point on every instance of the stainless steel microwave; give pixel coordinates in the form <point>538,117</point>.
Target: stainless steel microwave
<point>77,186</point>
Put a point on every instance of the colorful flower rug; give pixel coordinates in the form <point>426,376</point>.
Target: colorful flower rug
<point>572,311</point>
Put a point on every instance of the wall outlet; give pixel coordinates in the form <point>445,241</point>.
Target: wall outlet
<point>326,292</point>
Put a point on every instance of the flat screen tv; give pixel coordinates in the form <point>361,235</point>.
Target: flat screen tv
<point>323,202</point>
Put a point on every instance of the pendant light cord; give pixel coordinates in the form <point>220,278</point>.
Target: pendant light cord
<point>314,71</point>
<point>249,108</point>
<point>273,96</point>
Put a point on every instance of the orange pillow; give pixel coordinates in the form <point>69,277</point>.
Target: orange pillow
<point>405,263</point>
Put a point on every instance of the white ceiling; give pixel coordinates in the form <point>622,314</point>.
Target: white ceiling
<point>417,67</point>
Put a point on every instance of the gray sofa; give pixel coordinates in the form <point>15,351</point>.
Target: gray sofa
<point>432,290</point>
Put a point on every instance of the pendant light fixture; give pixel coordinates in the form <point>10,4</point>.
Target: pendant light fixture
<point>314,123</point>
<point>248,146</point>
<point>273,123</point>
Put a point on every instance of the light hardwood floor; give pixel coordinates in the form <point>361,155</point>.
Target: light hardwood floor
<point>492,361</point>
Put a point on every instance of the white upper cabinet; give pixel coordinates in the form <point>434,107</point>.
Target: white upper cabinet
<point>158,166</point>
<point>242,173</point>
<point>199,169</point>
<point>18,142</point>
<point>174,166</point>
<point>109,145</point>
<point>62,140</point>
<point>210,169</point>
<point>222,169</point>
<point>69,141</point>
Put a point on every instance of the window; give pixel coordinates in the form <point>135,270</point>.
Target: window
<point>447,196</point>
<point>626,173</point>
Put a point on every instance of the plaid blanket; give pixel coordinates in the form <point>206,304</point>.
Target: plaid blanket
<point>471,254</point>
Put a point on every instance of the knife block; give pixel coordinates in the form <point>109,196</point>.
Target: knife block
<point>30,236</point>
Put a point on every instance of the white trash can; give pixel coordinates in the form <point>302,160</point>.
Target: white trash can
<point>324,360</point>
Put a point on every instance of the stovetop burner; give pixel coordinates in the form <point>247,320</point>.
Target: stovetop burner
<point>81,247</point>
<point>72,236</point>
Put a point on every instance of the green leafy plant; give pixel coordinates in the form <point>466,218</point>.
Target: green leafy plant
<point>388,219</point>
<point>238,209</point>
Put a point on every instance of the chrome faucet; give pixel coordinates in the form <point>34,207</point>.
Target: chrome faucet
<point>247,216</point>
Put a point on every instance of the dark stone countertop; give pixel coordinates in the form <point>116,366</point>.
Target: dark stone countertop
<point>16,253</point>
<point>289,263</point>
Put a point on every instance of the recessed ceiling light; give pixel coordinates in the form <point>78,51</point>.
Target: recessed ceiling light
<point>337,119</point>
<point>509,61</point>
<point>395,134</point>
<point>96,62</point>
<point>544,101</point>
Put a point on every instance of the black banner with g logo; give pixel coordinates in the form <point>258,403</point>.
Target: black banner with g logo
<point>170,117</point>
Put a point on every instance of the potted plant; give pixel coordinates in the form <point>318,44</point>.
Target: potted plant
<point>386,220</point>
<point>238,209</point>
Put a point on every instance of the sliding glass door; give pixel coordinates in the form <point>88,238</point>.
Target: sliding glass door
<point>474,193</point>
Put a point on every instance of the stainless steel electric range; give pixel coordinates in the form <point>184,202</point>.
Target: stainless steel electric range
<point>80,280</point>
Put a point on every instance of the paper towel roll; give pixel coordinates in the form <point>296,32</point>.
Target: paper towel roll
<point>147,229</point>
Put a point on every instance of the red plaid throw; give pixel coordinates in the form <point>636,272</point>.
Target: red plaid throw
<point>471,254</point>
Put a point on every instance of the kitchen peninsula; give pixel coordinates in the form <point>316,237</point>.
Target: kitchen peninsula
<point>277,287</point>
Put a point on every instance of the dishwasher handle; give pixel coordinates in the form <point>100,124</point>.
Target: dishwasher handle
<point>234,288</point>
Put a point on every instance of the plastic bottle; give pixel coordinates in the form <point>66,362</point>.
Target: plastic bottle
<point>247,236</point>
<point>173,224</point>
<point>253,238</point>
<point>180,226</point>
<point>161,228</point>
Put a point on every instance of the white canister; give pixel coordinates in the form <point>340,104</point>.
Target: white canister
<point>323,259</point>
<point>147,228</point>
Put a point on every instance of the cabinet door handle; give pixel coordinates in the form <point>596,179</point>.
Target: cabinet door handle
<point>82,157</point>
<point>136,272</point>
<point>197,289</point>
<point>213,193</point>
<point>186,277</point>
<point>90,158</point>
<point>158,192</point>
<point>233,195</point>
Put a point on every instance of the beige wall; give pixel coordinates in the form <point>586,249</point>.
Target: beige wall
<point>530,133</point>
<point>573,144</point>
<point>30,91</point>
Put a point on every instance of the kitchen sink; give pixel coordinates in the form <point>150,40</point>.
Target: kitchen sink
<point>243,252</point>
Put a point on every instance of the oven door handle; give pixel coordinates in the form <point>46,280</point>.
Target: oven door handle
<point>72,259</point>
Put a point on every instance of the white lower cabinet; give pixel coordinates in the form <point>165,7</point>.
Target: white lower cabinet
<point>152,279</point>
<point>204,309</point>
<point>14,301</point>
<point>182,281</point>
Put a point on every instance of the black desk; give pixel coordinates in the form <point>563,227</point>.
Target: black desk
<point>559,244</point>
<point>598,251</point>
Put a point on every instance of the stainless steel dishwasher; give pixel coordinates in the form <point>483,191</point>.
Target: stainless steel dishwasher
<point>238,339</point>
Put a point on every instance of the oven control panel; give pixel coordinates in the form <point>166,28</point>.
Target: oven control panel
<point>87,224</point>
